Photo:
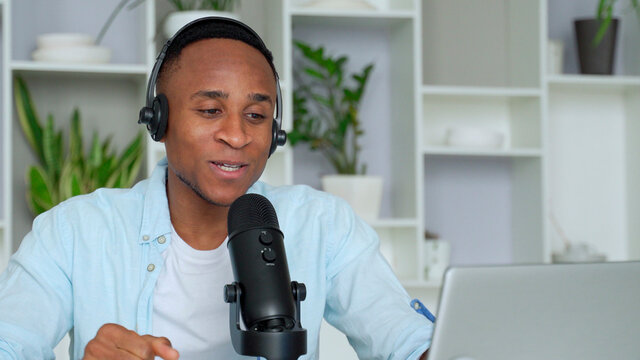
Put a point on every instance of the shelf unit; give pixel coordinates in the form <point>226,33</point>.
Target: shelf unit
<point>106,69</point>
<point>593,181</point>
<point>571,141</point>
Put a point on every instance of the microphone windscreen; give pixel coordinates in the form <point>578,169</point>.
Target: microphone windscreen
<point>251,211</point>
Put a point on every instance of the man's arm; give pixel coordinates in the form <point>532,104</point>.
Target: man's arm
<point>36,294</point>
<point>364,298</point>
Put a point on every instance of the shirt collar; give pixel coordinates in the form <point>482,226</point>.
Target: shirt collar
<point>156,219</point>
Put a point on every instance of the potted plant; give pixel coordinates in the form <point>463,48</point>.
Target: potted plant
<point>189,10</point>
<point>596,38</point>
<point>326,117</point>
<point>57,176</point>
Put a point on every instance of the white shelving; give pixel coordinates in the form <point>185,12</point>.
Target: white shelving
<point>107,95</point>
<point>481,91</point>
<point>394,223</point>
<point>422,285</point>
<point>114,69</point>
<point>454,151</point>
<point>593,181</point>
<point>364,14</point>
<point>598,81</point>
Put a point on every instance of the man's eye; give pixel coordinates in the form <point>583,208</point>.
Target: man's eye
<point>255,116</point>
<point>210,111</point>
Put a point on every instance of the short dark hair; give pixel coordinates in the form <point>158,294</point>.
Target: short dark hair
<point>212,29</point>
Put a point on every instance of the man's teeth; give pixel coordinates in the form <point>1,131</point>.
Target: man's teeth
<point>229,167</point>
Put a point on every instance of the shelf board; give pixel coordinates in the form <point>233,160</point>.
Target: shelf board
<point>456,151</point>
<point>394,223</point>
<point>596,82</point>
<point>421,284</point>
<point>366,17</point>
<point>480,91</point>
<point>97,69</point>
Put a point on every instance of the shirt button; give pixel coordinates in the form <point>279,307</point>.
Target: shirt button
<point>145,237</point>
<point>162,239</point>
<point>151,267</point>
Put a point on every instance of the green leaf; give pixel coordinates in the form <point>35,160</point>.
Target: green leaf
<point>76,151</point>
<point>314,73</point>
<point>64,181</point>
<point>321,100</point>
<point>28,118</point>
<point>48,144</point>
<point>103,172</point>
<point>95,155</point>
<point>349,95</point>
<point>76,187</point>
<point>40,194</point>
<point>602,31</point>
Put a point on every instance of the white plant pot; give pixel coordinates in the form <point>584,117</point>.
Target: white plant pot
<point>176,20</point>
<point>362,192</point>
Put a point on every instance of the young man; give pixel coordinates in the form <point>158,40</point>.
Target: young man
<point>139,273</point>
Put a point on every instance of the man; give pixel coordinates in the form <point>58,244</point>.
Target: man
<point>138,273</point>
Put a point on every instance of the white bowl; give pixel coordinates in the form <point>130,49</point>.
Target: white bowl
<point>74,54</point>
<point>58,40</point>
<point>340,4</point>
<point>468,136</point>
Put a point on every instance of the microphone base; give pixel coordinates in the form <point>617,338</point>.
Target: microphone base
<point>288,344</point>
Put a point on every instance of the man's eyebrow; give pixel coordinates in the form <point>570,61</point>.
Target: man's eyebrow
<point>257,97</point>
<point>212,94</point>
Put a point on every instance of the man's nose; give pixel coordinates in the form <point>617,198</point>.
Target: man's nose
<point>233,131</point>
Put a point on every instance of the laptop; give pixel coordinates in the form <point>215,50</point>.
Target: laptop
<point>565,311</point>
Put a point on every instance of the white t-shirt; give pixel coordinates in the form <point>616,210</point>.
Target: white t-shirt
<point>188,306</point>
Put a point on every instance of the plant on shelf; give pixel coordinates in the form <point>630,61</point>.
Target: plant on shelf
<point>189,10</point>
<point>326,116</point>
<point>186,11</point>
<point>596,38</point>
<point>326,109</point>
<point>57,176</point>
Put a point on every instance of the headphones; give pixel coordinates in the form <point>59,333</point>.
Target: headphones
<point>155,113</point>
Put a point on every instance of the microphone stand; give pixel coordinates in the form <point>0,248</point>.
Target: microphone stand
<point>288,344</point>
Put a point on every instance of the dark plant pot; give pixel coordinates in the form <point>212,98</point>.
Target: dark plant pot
<point>595,59</point>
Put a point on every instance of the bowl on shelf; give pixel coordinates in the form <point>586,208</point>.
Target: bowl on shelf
<point>61,40</point>
<point>90,54</point>
<point>340,4</point>
<point>470,136</point>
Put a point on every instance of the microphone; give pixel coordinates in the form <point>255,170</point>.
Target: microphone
<point>263,291</point>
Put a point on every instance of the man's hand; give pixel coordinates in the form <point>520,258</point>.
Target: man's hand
<point>116,342</point>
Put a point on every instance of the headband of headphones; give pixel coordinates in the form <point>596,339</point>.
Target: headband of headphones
<point>151,85</point>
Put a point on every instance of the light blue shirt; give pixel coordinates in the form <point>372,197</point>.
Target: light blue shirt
<point>95,259</point>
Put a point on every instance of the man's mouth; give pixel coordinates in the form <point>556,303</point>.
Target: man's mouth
<point>228,167</point>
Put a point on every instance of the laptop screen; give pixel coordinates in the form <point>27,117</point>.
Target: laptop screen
<point>568,311</point>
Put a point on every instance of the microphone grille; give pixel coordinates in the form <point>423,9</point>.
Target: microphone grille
<point>249,211</point>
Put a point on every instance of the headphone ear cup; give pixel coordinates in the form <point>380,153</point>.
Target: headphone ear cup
<point>160,117</point>
<point>278,137</point>
<point>274,137</point>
